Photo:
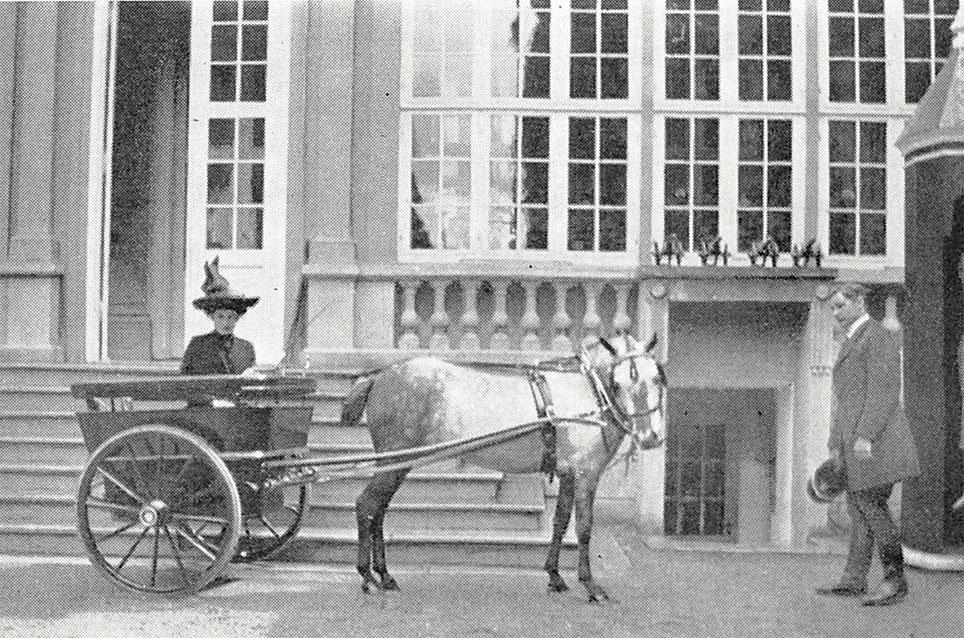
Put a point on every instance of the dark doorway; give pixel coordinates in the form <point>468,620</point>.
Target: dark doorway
<point>953,330</point>
<point>149,181</point>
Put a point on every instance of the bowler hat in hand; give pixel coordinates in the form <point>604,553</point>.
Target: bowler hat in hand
<point>827,483</point>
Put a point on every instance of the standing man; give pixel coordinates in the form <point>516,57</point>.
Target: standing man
<point>871,441</point>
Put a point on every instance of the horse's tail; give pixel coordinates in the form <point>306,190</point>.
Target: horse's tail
<point>351,412</point>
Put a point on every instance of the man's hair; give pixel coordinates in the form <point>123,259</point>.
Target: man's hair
<point>853,291</point>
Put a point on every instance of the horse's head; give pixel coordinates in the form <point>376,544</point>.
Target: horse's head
<point>637,385</point>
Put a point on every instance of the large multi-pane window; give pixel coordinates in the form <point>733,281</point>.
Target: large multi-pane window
<point>765,182</point>
<point>692,50</point>
<point>599,49</point>
<point>858,187</point>
<point>597,184</point>
<point>691,179</point>
<point>765,48</point>
<point>519,183</point>
<point>857,51</point>
<point>927,43</point>
<point>441,181</point>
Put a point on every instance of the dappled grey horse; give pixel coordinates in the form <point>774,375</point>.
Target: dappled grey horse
<point>611,390</point>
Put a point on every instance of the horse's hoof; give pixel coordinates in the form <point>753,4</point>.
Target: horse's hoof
<point>557,584</point>
<point>389,584</point>
<point>596,593</point>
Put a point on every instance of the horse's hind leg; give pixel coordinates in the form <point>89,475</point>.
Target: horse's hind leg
<point>370,511</point>
<point>559,525</point>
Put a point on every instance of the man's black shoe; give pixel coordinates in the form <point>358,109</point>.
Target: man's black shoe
<point>889,592</point>
<point>842,589</point>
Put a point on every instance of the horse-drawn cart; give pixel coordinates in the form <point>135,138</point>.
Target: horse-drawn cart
<point>171,494</point>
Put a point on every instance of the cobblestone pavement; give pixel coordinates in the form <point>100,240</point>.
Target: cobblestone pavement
<point>659,592</point>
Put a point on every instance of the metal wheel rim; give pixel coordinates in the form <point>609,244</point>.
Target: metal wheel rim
<point>263,547</point>
<point>181,542</point>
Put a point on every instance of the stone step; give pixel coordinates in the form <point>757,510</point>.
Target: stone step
<point>39,398</point>
<point>41,480</point>
<point>338,546</point>
<point>62,424</point>
<point>420,486</point>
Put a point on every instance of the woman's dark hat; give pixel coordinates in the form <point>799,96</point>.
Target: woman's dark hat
<point>218,293</point>
<point>827,483</point>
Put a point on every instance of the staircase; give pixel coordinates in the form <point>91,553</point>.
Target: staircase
<point>446,513</point>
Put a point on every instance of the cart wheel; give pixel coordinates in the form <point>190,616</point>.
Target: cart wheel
<point>277,519</point>
<point>158,510</point>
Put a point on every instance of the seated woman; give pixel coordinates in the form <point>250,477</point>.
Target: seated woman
<point>219,351</point>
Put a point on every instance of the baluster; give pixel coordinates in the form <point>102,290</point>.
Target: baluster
<point>592,320</point>
<point>409,319</point>
<point>621,320</point>
<point>530,318</point>
<point>500,318</point>
<point>561,321</point>
<point>470,318</point>
<point>439,321</point>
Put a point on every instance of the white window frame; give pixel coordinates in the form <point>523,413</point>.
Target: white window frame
<point>729,179</point>
<point>903,53</point>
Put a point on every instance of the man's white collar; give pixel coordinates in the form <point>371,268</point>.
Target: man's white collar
<point>859,321</point>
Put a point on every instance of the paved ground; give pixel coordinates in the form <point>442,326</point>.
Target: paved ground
<point>660,592</point>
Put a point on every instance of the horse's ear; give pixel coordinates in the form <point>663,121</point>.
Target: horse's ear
<point>652,343</point>
<point>608,346</point>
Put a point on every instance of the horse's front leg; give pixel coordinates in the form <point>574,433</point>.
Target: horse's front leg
<point>585,490</point>
<point>559,525</point>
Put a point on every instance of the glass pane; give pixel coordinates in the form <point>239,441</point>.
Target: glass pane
<point>256,9</point>
<point>614,78</point>
<point>843,233</point>
<point>612,138</point>
<point>943,36</point>
<point>676,184</point>
<point>751,140</point>
<point>251,183</point>
<point>458,31</point>
<point>535,182</point>
<point>615,33</point>
<point>841,37</point>
<point>582,184</point>
<point>427,72</point>
<point>945,7</point>
<point>677,78</point>
<point>612,230</point>
<point>751,35</point>
<point>221,138</point>
<point>219,229</point>
<point>778,35</point>
<point>456,136</point>
<point>705,185</point>
<point>427,36</point>
<point>535,228</point>
<point>220,184</point>
<point>582,80</point>
<point>678,5</point>
<point>751,79</point>
<point>535,137</point>
<point>502,228</point>
<point>714,480</point>
<point>871,32</point>
<point>779,186</point>
<point>253,82</point>
<point>677,224</point>
<point>456,180</point>
<point>425,136</point>
<point>706,225</point>
<point>778,80</point>
<point>538,39</point>
<point>455,228</point>
<point>225,10</point>
<point>251,134</point>
<point>582,138</point>
<point>613,5</point>
<point>536,77</point>
<point>677,138</point>
<point>503,141</point>
<point>251,228</point>
<point>751,186</point>
<point>779,228</point>
<point>917,39</point>
<point>424,182</point>
<point>780,140</point>
<point>706,37</point>
<point>873,234</point>
<point>670,476</point>
<point>502,182</point>
<point>222,83</point>
<point>690,524</point>
<point>677,33</point>
<point>254,42</point>
<point>505,31</point>
<point>505,76</point>
<point>714,523</point>
<point>670,526</point>
<point>842,78</point>
<point>778,5</point>
<point>873,142</point>
<point>583,38</point>
<point>749,229</point>
<point>707,76</point>
<point>750,5</point>
<point>873,188</point>
<point>918,78</point>
<point>581,230</point>
<point>870,6</point>
<point>706,138</point>
<point>458,76</point>
<point>844,6</point>
<point>224,43</point>
<point>691,479</point>
<point>873,87</point>
<point>612,184</point>
<point>843,189</point>
<point>423,227</point>
<point>916,6</point>
<point>843,141</point>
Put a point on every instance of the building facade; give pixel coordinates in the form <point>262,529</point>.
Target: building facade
<point>485,180</point>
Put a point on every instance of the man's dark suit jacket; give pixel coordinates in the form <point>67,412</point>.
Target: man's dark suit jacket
<point>211,354</point>
<point>866,390</point>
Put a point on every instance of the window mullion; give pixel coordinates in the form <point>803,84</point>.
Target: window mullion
<point>480,192</point>
<point>728,56</point>
<point>558,181</point>
<point>728,175</point>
